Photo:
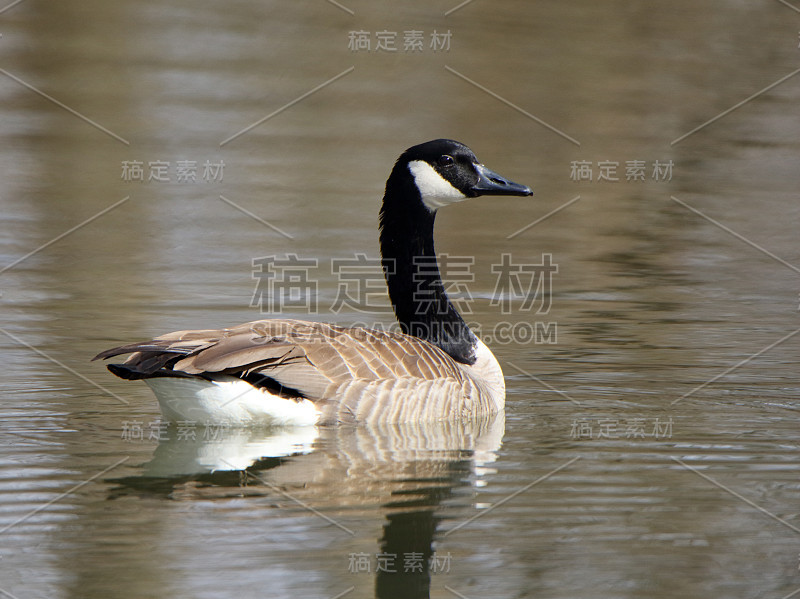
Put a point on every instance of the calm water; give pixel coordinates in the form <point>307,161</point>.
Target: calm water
<point>650,442</point>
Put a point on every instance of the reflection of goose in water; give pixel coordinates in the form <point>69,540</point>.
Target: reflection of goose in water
<point>402,472</point>
<point>322,455</point>
<point>295,372</point>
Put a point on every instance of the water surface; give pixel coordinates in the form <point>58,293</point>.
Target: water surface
<point>650,443</point>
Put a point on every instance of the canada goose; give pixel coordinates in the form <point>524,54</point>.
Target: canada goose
<point>280,372</point>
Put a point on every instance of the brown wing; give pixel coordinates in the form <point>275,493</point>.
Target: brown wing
<point>316,359</point>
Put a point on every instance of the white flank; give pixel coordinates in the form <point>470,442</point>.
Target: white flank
<point>231,401</point>
<point>436,191</point>
<point>486,369</point>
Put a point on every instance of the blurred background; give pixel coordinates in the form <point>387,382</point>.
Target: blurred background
<point>152,151</point>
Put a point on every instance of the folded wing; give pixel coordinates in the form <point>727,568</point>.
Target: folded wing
<point>363,369</point>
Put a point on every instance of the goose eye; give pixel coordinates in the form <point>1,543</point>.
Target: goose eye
<point>445,160</point>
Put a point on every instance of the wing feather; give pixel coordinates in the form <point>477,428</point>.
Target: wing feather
<point>362,367</point>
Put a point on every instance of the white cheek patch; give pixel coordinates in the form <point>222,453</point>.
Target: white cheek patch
<point>436,191</point>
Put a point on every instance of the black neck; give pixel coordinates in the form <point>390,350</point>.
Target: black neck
<point>412,274</point>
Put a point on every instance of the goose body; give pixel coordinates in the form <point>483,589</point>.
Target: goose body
<point>293,372</point>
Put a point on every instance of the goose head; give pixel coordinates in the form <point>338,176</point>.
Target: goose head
<point>445,171</point>
<point>425,178</point>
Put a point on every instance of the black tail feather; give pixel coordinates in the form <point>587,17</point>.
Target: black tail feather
<point>131,374</point>
<point>256,379</point>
